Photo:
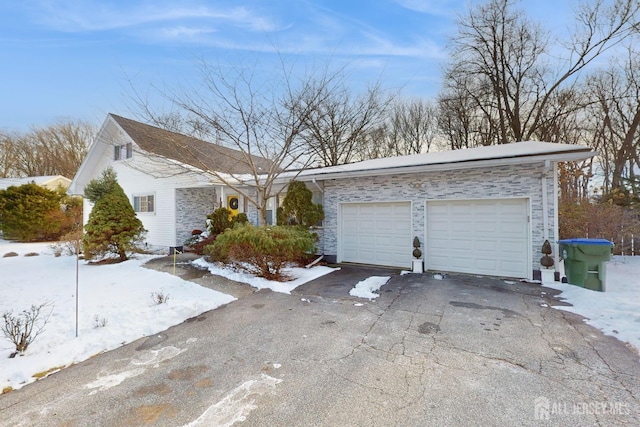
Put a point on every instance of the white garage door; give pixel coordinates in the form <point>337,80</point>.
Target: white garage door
<point>479,236</point>
<point>376,233</point>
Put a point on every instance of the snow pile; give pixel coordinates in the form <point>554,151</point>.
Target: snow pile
<point>617,310</point>
<point>300,276</point>
<point>367,287</point>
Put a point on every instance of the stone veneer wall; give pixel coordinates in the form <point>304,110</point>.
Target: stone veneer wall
<point>511,181</point>
<point>192,207</point>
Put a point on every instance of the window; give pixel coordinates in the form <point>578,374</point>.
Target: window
<point>144,203</point>
<point>122,151</point>
<point>271,201</point>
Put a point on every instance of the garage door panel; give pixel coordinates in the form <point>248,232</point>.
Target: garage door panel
<point>348,210</point>
<point>401,224</point>
<point>512,207</point>
<point>507,247</point>
<point>487,226</point>
<point>486,264</point>
<point>478,236</point>
<point>485,245</point>
<point>382,233</point>
<point>486,209</point>
<point>512,227</point>
<point>461,226</point>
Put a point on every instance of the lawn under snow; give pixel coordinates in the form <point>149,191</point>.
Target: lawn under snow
<point>115,305</point>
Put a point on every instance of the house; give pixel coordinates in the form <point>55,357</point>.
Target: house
<point>169,177</point>
<point>484,210</point>
<point>51,182</point>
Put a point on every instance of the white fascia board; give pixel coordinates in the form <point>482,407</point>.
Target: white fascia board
<point>310,175</point>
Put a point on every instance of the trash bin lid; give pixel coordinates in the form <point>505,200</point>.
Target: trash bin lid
<point>586,242</point>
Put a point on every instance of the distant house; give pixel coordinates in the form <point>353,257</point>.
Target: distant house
<point>51,182</point>
<point>484,210</point>
<point>166,176</point>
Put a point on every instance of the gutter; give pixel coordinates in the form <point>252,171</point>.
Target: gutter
<point>435,167</point>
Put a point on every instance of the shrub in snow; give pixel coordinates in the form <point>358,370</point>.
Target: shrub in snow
<point>263,251</point>
<point>159,297</point>
<point>10,254</point>
<point>99,322</point>
<point>68,244</point>
<point>113,227</point>
<point>196,244</point>
<point>24,328</point>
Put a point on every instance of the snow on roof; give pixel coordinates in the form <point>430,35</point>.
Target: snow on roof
<point>469,157</point>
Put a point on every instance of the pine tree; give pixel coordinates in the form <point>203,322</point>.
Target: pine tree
<point>113,226</point>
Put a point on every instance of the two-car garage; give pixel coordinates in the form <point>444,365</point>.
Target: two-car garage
<point>483,210</point>
<point>484,236</point>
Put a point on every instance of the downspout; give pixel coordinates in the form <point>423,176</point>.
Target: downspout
<point>556,221</point>
<point>545,201</point>
<point>323,236</point>
<point>545,209</point>
<point>319,188</point>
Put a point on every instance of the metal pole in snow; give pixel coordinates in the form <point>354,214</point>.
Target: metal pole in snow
<point>77,287</point>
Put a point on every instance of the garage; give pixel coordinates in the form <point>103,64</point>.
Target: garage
<point>489,237</point>
<point>375,233</point>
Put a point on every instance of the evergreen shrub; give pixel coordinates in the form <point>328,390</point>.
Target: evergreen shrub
<point>264,251</point>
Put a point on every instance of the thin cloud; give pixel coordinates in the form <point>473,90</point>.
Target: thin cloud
<point>76,16</point>
<point>330,32</point>
<point>432,7</point>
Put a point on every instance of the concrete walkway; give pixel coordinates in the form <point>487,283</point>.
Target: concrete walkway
<point>460,351</point>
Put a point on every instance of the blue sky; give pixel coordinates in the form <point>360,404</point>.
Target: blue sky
<point>76,59</point>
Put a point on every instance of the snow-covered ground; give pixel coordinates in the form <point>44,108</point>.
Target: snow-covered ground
<point>299,275</point>
<point>116,305</point>
<point>617,310</point>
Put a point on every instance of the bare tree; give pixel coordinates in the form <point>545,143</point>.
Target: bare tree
<point>615,118</point>
<point>54,150</point>
<point>261,119</point>
<point>335,129</point>
<point>7,155</point>
<point>63,146</point>
<point>377,143</point>
<point>501,64</point>
<point>414,125</point>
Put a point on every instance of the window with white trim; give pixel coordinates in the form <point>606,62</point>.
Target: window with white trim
<point>144,203</point>
<point>122,151</point>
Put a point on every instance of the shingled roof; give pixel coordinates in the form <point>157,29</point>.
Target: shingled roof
<point>190,151</point>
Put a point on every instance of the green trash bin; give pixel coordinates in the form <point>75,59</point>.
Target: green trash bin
<point>585,261</point>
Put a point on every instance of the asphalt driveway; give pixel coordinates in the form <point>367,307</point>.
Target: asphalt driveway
<point>464,350</point>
